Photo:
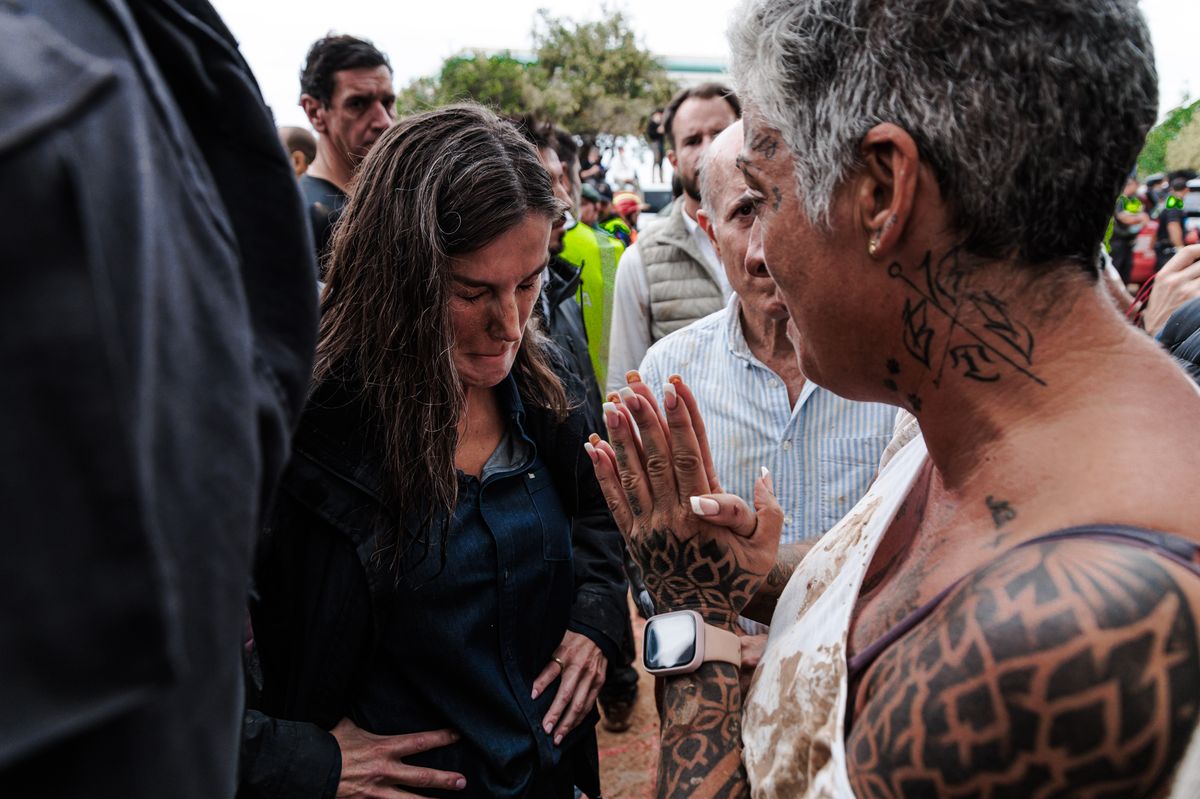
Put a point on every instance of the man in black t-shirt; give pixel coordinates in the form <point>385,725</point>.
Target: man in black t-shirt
<point>1170,223</point>
<point>346,91</point>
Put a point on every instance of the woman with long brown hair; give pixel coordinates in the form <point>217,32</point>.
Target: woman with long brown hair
<point>417,594</point>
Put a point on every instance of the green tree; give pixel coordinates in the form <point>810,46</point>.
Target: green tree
<point>597,78</point>
<point>1154,156</point>
<point>591,77</point>
<point>499,81</point>
<point>1183,152</point>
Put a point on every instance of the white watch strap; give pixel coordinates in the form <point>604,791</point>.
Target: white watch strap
<point>722,645</point>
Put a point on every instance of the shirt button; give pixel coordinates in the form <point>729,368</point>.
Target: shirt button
<point>772,383</point>
<point>531,475</point>
<point>787,445</point>
<point>787,519</point>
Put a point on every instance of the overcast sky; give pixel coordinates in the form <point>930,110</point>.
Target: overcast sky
<point>417,36</point>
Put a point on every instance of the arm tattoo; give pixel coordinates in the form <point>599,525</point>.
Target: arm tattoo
<point>762,606</point>
<point>693,574</point>
<point>701,752</point>
<point>1062,669</point>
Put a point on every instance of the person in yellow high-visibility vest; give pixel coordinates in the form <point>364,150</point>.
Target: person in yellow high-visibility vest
<point>597,254</point>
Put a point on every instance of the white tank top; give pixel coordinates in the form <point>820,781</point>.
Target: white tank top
<point>792,721</point>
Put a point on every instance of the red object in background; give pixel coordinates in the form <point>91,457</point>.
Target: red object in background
<point>1144,257</point>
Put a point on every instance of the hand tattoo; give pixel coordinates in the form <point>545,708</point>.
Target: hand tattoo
<point>635,504</point>
<point>694,574</point>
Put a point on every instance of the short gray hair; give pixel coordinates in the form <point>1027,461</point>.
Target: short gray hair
<point>1030,112</point>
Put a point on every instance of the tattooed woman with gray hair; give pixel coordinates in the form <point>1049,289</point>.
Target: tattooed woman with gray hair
<point>1011,610</point>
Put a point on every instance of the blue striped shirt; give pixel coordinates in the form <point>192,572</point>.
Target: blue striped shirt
<point>822,453</point>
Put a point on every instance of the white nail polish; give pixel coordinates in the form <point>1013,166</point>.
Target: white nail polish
<point>697,508</point>
<point>766,474</point>
<point>626,393</point>
<point>669,389</point>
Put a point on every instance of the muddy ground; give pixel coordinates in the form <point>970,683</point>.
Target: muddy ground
<point>628,759</point>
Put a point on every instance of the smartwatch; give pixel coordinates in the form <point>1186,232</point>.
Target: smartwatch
<point>679,642</point>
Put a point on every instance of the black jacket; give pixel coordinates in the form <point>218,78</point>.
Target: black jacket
<point>314,623</point>
<point>157,329</point>
<point>564,319</point>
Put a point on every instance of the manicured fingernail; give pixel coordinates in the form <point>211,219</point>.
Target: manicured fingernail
<point>612,417</point>
<point>766,473</point>
<point>670,398</point>
<point>676,379</point>
<point>703,506</point>
<point>549,725</point>
<point>591,453</point>
<point>557,740</point>
<point>632,377</point>
<point>613,397</point>
<point>534,694</point>
<point>627,394</point>
<point>594,439</point>
<point>460,783</point>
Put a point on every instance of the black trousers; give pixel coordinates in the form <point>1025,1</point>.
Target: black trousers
<point>1122,256</point>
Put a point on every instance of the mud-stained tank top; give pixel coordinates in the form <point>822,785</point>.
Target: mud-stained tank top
<point>793,716</point>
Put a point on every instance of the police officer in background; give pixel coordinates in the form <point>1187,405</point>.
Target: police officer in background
<point>1128,218</point>
<point>1170,223</point>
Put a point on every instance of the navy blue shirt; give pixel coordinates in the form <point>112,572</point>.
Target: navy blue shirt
<point>461,642</point>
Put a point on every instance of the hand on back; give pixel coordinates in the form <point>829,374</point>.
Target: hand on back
<point>373,768</point>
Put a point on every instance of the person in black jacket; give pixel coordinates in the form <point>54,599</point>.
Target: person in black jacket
<point>563,317</point>
<point>157,328</point>
<point>436,600</point>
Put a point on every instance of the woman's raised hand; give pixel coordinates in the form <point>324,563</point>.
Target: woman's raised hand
<point>698,548</point>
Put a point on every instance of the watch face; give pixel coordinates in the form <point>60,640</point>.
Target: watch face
<point>670,641</point>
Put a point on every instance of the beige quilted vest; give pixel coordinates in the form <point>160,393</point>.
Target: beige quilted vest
<point>681,290</point>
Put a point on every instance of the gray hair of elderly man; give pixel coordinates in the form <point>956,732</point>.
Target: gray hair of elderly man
<point>708,185</point>
<point>1030,112</point>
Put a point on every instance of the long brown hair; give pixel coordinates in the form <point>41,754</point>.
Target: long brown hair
<point>436,186</point>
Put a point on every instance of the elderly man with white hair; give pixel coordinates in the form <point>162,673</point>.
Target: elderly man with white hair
<point>1012,608</point>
